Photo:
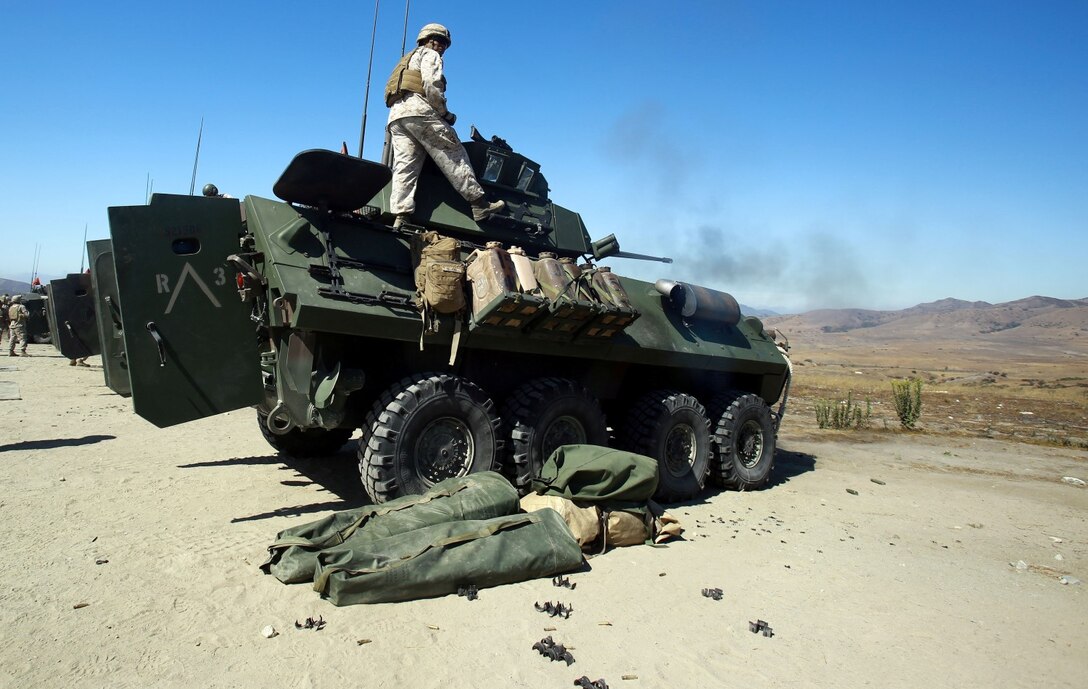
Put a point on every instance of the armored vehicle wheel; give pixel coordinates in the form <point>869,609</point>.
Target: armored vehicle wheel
<point>672,428</point>
<point>744,441</point>
<point>426,430</point>
<point>308,442</point>
<point>544,414</point>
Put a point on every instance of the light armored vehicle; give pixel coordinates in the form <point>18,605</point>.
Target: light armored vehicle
<point>452,346</point>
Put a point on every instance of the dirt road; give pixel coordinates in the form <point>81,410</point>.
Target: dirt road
<point>131,560</point>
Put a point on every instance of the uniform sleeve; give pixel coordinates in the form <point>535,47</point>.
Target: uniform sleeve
<point>434,81</point>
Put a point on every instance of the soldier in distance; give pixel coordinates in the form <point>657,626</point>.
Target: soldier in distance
<point>420,125</point>
<point>18,315</point>
<point>5,303</point>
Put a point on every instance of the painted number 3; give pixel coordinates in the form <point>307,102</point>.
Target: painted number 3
<point>220,276</point>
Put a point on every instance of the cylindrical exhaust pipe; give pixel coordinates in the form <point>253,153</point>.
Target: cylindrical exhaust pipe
<point>700,303</point>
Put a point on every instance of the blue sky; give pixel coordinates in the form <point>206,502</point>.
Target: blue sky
<point>796,154</point>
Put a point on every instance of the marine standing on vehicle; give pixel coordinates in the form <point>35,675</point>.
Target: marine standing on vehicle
<point>420,124</point>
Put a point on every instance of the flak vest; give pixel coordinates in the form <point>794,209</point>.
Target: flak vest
<point>403,81</point>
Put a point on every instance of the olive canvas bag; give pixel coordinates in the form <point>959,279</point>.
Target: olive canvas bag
<point>592,474</point>
<point>438,560</point>
<point>293,556</point>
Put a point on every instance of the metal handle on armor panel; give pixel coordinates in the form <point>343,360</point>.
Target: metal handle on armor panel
<point>246,268</point>
<point>159,342</point>
<point>115,313</point>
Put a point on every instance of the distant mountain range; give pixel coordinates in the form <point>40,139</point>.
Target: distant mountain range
<point>946,319</point>
<point>759,313</point>
<point>13,287</point>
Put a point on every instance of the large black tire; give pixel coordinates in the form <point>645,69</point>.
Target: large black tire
<point>544,414</point>
<point>744,441</point>
<point>672,428</point>
<point>310,442</point>
<point>425,430</point>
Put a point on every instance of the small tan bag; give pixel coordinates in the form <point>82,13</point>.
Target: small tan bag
<point>440,284</point>
<point>583,521</point>
<point>440,274</point>
<point>625,528</point>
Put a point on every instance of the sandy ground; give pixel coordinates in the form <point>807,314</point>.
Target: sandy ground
<point>131,553</point>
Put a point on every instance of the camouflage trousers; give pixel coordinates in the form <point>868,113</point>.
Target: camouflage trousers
<point>16,333</point>
<point>413,139</point>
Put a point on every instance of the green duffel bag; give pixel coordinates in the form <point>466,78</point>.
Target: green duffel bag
<point>595,475</point>
<point>437,560</point>
<point>293,556</point>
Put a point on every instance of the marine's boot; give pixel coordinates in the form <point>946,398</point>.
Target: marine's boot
<point>401,219</point>
<point>72,362</point>
<point>482,210</point>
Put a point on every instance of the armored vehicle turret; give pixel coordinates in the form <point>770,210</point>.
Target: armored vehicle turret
<point>454,346</point>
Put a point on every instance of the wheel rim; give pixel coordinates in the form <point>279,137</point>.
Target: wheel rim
<point>564,430</point>
<point>445,449</point>
<point>750,444</point>
<point>680,448</point>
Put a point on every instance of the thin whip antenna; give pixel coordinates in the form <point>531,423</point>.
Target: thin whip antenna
<point>192,185</point>
<point>147,189</point>
<point>84,247</point>
<point>387,145</point>
<point>369,69</point>
<point>34,267</point>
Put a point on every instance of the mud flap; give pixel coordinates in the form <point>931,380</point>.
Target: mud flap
<point>189,341</point>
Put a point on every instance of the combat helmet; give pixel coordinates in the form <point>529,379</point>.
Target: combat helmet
<point>436,30</point>
<point>17,299</point>
<point>210,190</point>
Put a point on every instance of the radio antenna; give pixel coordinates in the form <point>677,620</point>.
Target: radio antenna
<point>192,185</point>
<point>34,268</point>
<point>387,150</point>
<point>83,247</point>
<point>369,70</point>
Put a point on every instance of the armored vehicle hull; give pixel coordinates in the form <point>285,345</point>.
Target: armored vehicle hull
<point>335,331</point>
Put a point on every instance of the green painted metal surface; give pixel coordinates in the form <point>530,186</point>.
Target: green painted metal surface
<point>37,326</point>
<point>71,306</point>
<point>340,286</point>
<point>189,340</point>
<point>111,336</point>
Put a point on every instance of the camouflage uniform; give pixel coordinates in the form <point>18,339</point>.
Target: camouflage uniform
<point>4,305</point>
<point>17,330</point>
<point>417,128</point>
